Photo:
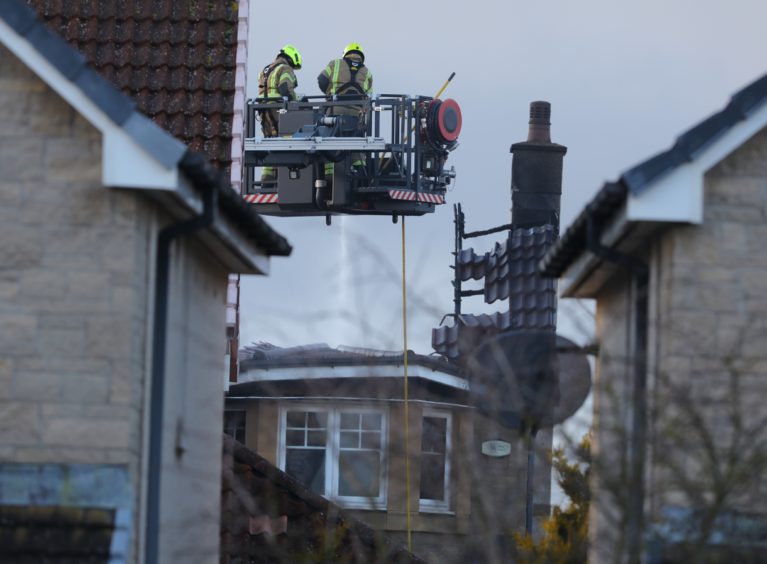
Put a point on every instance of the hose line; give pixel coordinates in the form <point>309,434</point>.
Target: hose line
<point>407,411</point>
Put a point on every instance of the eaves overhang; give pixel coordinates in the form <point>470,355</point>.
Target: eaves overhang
<point>319,372</point>
<point>136,152</point>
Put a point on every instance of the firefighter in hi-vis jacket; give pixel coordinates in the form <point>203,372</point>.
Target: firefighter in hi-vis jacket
<point>277,80</point>
<point>348,77</point>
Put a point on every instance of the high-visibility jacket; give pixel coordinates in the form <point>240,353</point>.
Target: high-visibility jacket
<point>347,76</point>
<point>277,80</point>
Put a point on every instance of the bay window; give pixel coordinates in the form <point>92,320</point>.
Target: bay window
<point>336,452</point>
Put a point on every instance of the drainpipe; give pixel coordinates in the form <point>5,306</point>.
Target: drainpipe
<point>640,274</point>
<point>164,241</point>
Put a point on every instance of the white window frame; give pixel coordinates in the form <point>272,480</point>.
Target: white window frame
<point>433,505</point>
<point>332,451</point>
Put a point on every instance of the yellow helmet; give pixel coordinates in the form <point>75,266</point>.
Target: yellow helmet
<point>292,54</point>
<point>354,48</point>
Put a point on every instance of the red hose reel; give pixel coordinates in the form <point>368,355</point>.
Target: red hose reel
<point>443,122</point>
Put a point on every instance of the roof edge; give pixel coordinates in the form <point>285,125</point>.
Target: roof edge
<point>137,152</point>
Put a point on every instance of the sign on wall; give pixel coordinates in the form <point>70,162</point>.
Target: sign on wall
<point>496,449</point>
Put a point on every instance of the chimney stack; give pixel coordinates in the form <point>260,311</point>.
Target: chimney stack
<point>536,173</point>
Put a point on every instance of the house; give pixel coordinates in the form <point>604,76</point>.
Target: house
<point>674,254</point>
<point>334,419</point>
<point>112,228</point>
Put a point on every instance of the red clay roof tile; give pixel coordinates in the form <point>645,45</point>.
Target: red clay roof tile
<point>176,59</point>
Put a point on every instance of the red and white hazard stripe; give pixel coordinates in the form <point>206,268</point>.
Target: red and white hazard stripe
<point>261,198</point>
<point>431,198</point>
<point>410,196</point>
<point>402,195</point>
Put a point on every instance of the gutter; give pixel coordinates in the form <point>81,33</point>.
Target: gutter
<point>640,274</point>
<point>165,240</point>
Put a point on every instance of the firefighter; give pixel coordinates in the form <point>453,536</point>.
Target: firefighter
<point>277,80</point>
<point>348,77</point>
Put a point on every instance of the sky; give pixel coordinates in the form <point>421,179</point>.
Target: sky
<point>624,79</point>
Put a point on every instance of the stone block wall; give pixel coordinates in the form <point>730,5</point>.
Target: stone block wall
<point>707,363</point>
<point>712,338</point>
<point>76,291</point>
<point>194,406</point>
<point>73,288</point>
<point>611,391</point>
<point>487,494</point>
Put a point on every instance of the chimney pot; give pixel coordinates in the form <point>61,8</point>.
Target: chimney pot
<point>540,122</point>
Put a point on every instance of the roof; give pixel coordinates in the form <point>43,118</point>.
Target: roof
<point>176,60</point>
<point>123,117</point>
<point>605,204</point>
<point>634,182</point>
<point>254,491</point>
<point>198,168</point>
<point>510,271</point>
<point>690,143</point>
<point>268,356</point>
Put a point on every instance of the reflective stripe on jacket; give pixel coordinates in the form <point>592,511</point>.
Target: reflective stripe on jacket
<point>277,80</point>
<point>338,76</point>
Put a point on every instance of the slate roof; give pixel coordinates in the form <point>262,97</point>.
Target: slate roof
<point>123,112</point>
<point>638,178</point>
<point>253,488</point>
<point>510,271</point>
<point>176,60</point>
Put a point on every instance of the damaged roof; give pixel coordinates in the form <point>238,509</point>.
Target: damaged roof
<point>510,271</point>
<point>176,60</point>
<point>688,146</point>
<point>263,355</point>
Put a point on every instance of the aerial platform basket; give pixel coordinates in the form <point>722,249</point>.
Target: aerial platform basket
<point>388,155</point>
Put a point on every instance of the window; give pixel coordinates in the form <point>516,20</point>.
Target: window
<point>435,461</point>
<point>337,453</point>
<point>306,448</point>
<point>234,424</point>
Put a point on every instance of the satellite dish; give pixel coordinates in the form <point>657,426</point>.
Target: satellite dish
<point>519,378</point>
<point>574,379</point>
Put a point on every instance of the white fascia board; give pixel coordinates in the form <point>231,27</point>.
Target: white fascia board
<point>678,196</point>
<point>125,163</point>
<point>358,371</point>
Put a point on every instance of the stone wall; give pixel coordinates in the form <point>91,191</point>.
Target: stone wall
<point>487,494</point>
<point>76,291</point>
<point>73,288</point>
<point>712,345</point>
<point>612,413</point>
<point>194,404</point>
<point>707,363</point>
